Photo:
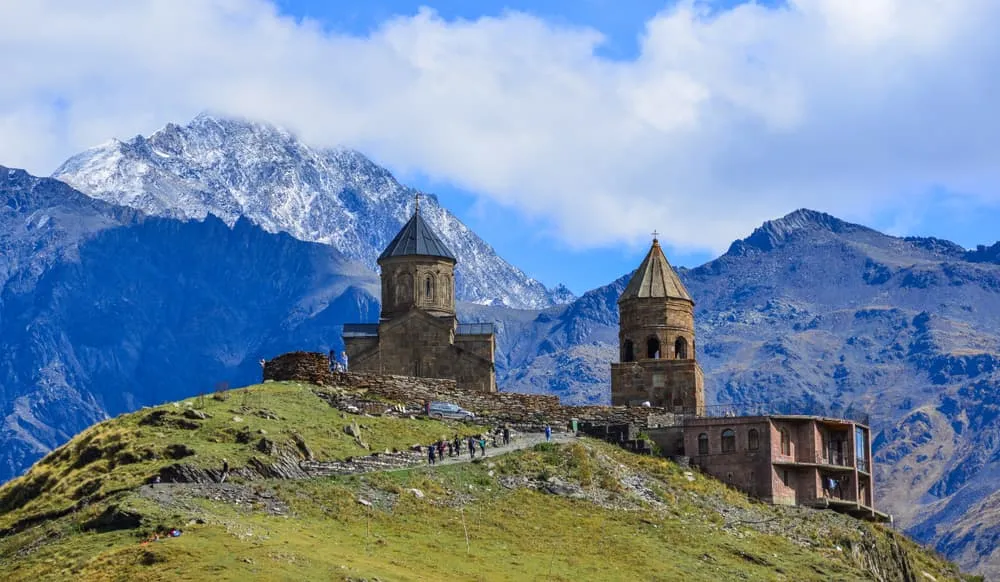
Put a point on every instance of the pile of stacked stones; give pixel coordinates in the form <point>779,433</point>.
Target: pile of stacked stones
<point>310,367</point>
<point>499,407</point>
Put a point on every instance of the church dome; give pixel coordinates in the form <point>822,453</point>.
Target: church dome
<point>417,239</point>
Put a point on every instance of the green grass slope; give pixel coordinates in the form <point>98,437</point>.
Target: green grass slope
<point>578,511</point>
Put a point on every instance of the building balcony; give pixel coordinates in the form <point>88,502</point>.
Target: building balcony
<point>832,464</point>
<point>852,508</point>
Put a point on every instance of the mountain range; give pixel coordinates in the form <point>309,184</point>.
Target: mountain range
<point>177,261</point>
<point>232,169</point>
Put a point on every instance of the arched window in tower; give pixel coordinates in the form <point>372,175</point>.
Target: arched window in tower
<point>681,349</point>
<point>728,440</point>
<point>429,288</point>
<point>753,439</point>
<point>628,351</point>
<point>653,348</point>
<point>703,444</point>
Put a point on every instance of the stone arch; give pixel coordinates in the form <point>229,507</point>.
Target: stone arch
<point>728,441</point>
<point>446,289</point>
<point>628,351</point>
<point>703,444</point>
<point>429,287</point>
<point>681,348</point>
<point>653,347</point>
<point>786,441</point>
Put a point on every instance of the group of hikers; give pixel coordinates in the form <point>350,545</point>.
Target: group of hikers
<point>436,451</point>
<point>338,364</point>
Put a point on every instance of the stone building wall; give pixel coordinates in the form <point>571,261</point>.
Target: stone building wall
<point>418,344</point>
<point>665,319</point>
<point>404,285</point>
<point>747,469</point>
<point>681,390</point>
<point>481,345</point>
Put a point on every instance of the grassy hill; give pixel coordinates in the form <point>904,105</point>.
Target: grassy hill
<point>582,510</point>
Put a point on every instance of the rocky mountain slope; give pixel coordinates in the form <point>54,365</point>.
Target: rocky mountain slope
<point>813,314</point>
<point>98,303</point>
<point>809,313</point>
<point>583,510</point>
<point>231,168</point>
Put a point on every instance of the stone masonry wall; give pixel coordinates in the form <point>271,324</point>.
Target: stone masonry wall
<point>511,407</point>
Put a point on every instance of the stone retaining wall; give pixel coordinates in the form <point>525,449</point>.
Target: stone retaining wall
<point>509,407</point>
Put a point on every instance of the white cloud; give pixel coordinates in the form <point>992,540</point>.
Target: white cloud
<point>726,118</point>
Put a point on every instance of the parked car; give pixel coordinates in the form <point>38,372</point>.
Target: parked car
<point>448,410</point>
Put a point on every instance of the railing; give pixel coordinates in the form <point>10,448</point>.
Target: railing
<point>474,329</point>
<point>360,330</point>
<point>771,409</point>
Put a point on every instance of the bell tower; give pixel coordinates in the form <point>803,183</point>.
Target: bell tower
<point>657,360</point>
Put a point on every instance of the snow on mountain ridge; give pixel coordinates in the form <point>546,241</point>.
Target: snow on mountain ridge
<point>231,168</point>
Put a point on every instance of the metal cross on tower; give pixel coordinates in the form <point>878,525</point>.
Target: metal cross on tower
<point>416,209</point>
<point>655,234</point>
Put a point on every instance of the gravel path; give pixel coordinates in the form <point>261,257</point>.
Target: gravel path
<point>520,442</point>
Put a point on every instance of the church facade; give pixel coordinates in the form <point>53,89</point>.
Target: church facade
<point>657,360</point>
<point>418,333</point>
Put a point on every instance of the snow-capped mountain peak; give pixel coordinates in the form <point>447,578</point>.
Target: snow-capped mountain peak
<point>231,168</point>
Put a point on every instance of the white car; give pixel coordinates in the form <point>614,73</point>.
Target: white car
<point>449,410</point>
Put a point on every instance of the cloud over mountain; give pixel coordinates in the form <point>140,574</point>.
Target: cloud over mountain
<point>726,117</point>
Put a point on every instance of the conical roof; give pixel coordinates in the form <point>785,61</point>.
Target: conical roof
<point>655,278</point>
<point>416,238</point>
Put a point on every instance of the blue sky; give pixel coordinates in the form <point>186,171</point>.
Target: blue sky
<point>562,132</point>
<point>522,241</point>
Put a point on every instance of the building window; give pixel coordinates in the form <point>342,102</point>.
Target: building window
<point>628,351</point>
<point>703,444</point>
<point>786,478</point>
<point>653,348</point>
<point>681,349</point>
<point>728,440</point>
<point>429,288</point>
<point>753,439</point>
<point>786,442</point>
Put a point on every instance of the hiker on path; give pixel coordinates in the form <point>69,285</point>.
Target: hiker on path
<point>440,446</point>
<point>458,446</point>
<point>451,450</point>
<point>472,448</point>
<point>548,433</point>
<point>482,444</point>
<point>506,435</point>
<point>430,454</point>
<point>343,360</point>
<point>225,471</point>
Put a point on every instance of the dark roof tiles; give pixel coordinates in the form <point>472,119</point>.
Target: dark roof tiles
<point>416,238</point>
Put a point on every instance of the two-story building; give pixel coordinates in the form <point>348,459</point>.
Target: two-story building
<point>788,459</point>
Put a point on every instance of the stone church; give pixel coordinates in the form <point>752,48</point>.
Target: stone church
<point>657,361</point>
<point>418,333</point>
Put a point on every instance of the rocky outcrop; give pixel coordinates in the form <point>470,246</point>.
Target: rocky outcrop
<point>310,367</point>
